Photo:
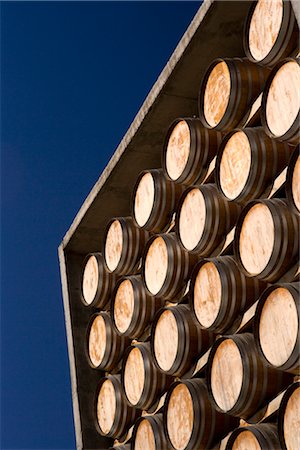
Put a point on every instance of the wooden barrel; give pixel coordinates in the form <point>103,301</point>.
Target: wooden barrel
<point>289,418</point>
<point>248,163</point>
<point>120,447</point>
<point>104,347</point>
<point>123,245</point>
<point>293,181</point>
<point>266,240</point>
<point>188,150</point>
<point>113,416</point>
<point>263,436</point>
<point>277,327</point>
<point>132,308</point>
<point>149,434</point>
<point>204,218</point>
<point>271,31</point>
<point>154,200</point>
<point>177,341</point>
<point>238,381</point>
<point>228,89</point>
<point>280,114</point>
<point>97,282</point>
<point>220,292</point>
<point>191,422</point>
<point>166,267</point>
<point>142,382</point>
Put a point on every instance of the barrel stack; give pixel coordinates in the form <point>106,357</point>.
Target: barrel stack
<point>197,292</point>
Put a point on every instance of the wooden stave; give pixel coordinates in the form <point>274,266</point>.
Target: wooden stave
<point>240,102</point>
<point>156,381</point>
<point>116,344</point>
<point>292,365</point>
<point>125,415</point>
<point>166,196</point>
<point>274,380</point>
<point>281,412</point>
<point>220,424</point>
<point>133,245</point>
<point>203,148</point>
<point>237,286</point>
<point>289,177</point>
<point>287,224</point>
<point>263,149</point>
<point>265,433</point>
<point>219,222</point>
<point>196,342</point>
<point>156,421</point>
<point>145,307</point>
<point>287,41</point>
<point>292,135</point>
<point>106,282</point>
<point>181,263</point>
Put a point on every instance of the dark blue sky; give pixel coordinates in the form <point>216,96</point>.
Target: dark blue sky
<point>74,75</point>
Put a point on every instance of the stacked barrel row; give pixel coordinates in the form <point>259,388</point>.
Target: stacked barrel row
<point>211,234</point>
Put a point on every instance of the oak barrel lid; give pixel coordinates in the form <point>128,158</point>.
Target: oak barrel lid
<point>226,374</point>
<point>256,240</point>
<point>217,93</point>
<point>296,184</point>
<point>113,245</point>
<point>123,306</point>
<point>192,217</point>
<point>144,199</point>
<point>246,440</point>
<point>264,27</point>
<point>207,294</point>
<point>134,375</point>
<point>283,98</point>
<point>106,406</point>
<point>144,436</point>
<point>180,416</point>
<point>278,326</point>
<point>156,265</point>
<point>97,340</point>
<point>166,340</point>
<point>178,149</point>
<point>90,279</point>
<point>235,165</point>
<point>291,421</point>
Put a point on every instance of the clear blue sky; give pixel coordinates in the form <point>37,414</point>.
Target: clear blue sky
<point>74,75</point>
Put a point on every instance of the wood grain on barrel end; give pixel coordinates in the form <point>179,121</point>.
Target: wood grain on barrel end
<point>264,27</point>
<point>90,279</point>
<point>124,306</point>
<point>97,340</point>
<point>106,406</point>
<point>227,374</point>
<point>217,93</point>
<point>235,165</point>
<point>180,417</point>
<point>134,376</point>
<point>278,326</point>
<point>144,199</point>
<point>283,100</point>
<point>156,265</point>
<point>144,438</point>
<point>246,441</point>
<point>291,423</point>
<point>166,340</point>
<point>207,294</point>
<point>192,217</point>
<point>257,239</point>
<point>178,150</point>
<point>296,184</point>
<point>113,245</point>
